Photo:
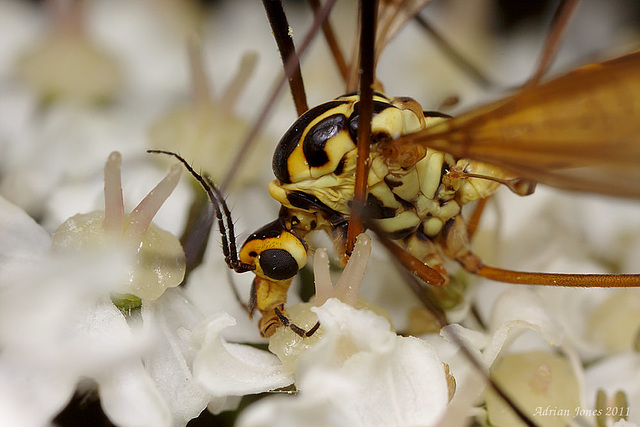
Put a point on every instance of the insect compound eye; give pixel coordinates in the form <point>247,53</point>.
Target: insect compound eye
<point>278,264</point>
<point>276,252</point>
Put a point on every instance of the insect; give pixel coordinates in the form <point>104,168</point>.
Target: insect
<point>422,167</point>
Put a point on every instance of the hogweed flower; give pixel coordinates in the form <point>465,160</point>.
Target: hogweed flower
<point>161,365</point>
<point>207,131</point>
<point>68,65</point>
<point>160,262</point>
<point>357,371</point>
<point>541,383</point>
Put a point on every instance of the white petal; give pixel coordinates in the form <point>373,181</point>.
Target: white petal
<point>209,287</point>
<point>514,310</point>
<point>31,395</point>
<point>130,398</point>
<point>316,411</point>
<point>360,374</point>
<point>393,380</point>
<point>169,364</point>
<point>232,369</point>
<point>42,310</point>
<point>22,240</point>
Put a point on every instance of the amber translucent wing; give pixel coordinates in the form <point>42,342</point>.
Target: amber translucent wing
<point>580,131</point>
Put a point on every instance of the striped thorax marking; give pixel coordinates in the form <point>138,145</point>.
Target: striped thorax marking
<point>314,165</point>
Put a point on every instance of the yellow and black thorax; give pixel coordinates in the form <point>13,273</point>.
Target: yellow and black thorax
<point>315,162</point>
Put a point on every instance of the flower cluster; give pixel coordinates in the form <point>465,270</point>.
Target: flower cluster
<point>98,299</point>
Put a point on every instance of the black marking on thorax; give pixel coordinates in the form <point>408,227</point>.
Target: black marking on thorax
<point>318,136</point>
<point>378,107</point>
<point>309,202</point>
<point>376,209</point>
<point>290,139</point>
<point>338,170</point>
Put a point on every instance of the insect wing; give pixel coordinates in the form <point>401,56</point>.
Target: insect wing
<point>580,131</point>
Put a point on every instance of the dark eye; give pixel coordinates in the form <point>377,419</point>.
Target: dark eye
<point>278,264</point>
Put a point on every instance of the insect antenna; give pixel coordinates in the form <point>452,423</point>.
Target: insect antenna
<point>280,27</point>
<point>319,18</point>
<point>223,215</point>
<point>232,251</point>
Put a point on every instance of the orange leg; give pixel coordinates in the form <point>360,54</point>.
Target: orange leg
<point>473,264</point>
<point>433,276</point>
<point>559,25</point>
<point>474,220</point>
<point>332,41</point>
<point>457,247</point>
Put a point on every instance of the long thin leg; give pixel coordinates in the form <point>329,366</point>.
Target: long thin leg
<point>409,261</point>
<point>456,245</point>
<point>559,25</point>
<point>434,306</point>
<point>474,219</point>
<point>332,41</point>
<point>368,9</point>
<point>280,27</point>
<point>454,56</point>
<point>241,154</point>
<point>474,264</point>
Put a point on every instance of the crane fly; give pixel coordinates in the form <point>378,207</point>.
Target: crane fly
<point>368,160</point>
<point>575,132</point>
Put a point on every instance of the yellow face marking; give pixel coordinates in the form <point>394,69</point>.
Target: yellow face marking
<point>251,250</point>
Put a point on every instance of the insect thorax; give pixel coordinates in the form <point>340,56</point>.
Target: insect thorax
<point>315,162</point>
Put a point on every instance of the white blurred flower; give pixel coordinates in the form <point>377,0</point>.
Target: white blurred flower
<point>562,233</point>
<point>618,373</point>
<point>58,324</point>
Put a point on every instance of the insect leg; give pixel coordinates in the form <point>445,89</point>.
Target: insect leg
<point>449,294</point>
<point>298,330</point>
<point>280,27</point>
<point>457,246</point>
<point>474,220</point>
<point>454,56</point>
<point>558,26</point>
<point>368,11</point>
<point>434,307</point>
<point>409,261</point>
<point>244,146</point>
<point>269,298</point>
<point>332,41</point>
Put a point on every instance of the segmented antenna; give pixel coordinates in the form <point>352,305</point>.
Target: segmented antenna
<point>225,223</point>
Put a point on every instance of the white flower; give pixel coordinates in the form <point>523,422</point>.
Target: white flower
<point>58,324</point>
<point>227,369</point>
<point>361,374</point>
<point>618,373</point>
<point>358,371</point>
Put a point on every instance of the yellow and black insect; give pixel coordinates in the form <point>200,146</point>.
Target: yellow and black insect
<point>580,131</point>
